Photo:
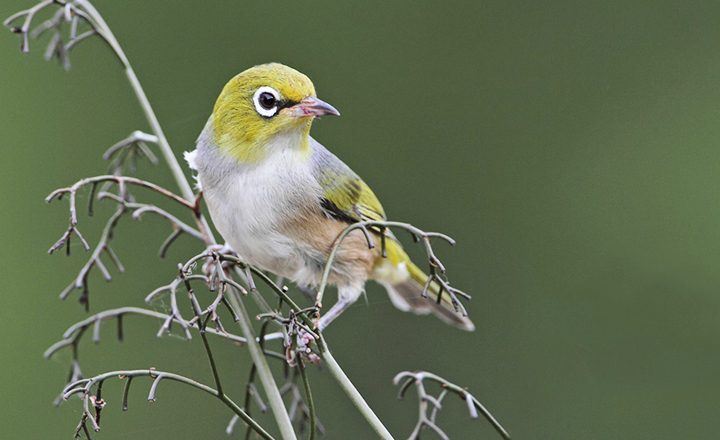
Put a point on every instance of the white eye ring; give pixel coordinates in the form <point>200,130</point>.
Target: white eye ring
<point>266,112</point>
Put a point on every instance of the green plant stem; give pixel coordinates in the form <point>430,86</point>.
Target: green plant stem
<point>275,401</point>
<point>355,397</point>
<point>170,160</point>
<point>167,152</point>
<point>263,369</point>
<point>211,359</point>
<point>337,373</point>
<point>308,399</point>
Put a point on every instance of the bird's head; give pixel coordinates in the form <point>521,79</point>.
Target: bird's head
<point>267,106</point>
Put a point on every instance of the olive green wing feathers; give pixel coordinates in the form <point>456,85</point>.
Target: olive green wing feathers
<point>345,195</point>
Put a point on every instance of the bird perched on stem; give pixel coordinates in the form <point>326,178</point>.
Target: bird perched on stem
<point>280,199</point>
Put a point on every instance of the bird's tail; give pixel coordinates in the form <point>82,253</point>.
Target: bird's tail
<point>405,283</point>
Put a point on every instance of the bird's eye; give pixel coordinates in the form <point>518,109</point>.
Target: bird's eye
<point>266,101</point>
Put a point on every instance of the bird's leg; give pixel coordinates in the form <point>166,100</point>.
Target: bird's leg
<point>333,313</point>
<point>347,295</point>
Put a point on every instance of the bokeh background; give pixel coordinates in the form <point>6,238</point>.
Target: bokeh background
<point>570,147</point>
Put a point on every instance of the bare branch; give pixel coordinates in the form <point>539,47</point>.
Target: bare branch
<point>74,333</point>
<point>103,246</point>
<point>139,209</point>
<point>121,181</point>
<point>83,388</point>
<point>63,25</point>
<point>27,16</point>
<point>429,406</point>
<point>124,205</point>
<point>129,149</point>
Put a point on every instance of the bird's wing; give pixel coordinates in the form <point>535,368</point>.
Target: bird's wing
<point>347,198</point>
<point>344,194</point>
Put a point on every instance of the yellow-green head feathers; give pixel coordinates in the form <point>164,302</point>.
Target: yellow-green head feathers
<point>262,103</point>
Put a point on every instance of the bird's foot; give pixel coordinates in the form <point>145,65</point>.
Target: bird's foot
<point>209,267</point>
<point>301,348</point>
<point>220,249</point>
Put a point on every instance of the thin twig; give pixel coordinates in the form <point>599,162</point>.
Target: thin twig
<point>128,149</point>
<point>102,247</point>
<point>73,334</point>
<point>202,325</point>
<point>308,399</point>
<point>84,388</point>
<point>139,209</point>
<point>250,391</point>
<point>429,406</point>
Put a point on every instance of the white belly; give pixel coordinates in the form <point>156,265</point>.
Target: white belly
<point>249,205</point>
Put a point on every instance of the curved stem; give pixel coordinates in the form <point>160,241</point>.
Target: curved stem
<point>75,331</point>
<point>308,399</point>
<point>330,363</point>
<point>211,359</point>
<point>162,142</point>
<point>88,383</point>
<point>407,378</point>
<point>166,150</point>
<point>263,369</point>
<point>355,397</point>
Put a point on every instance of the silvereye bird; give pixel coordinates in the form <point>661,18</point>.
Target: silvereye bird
<point>280,199</point>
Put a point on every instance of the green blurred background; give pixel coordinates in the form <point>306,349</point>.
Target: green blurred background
<point>570,147</point>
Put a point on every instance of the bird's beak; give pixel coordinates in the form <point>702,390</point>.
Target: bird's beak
<point>312,106</point>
